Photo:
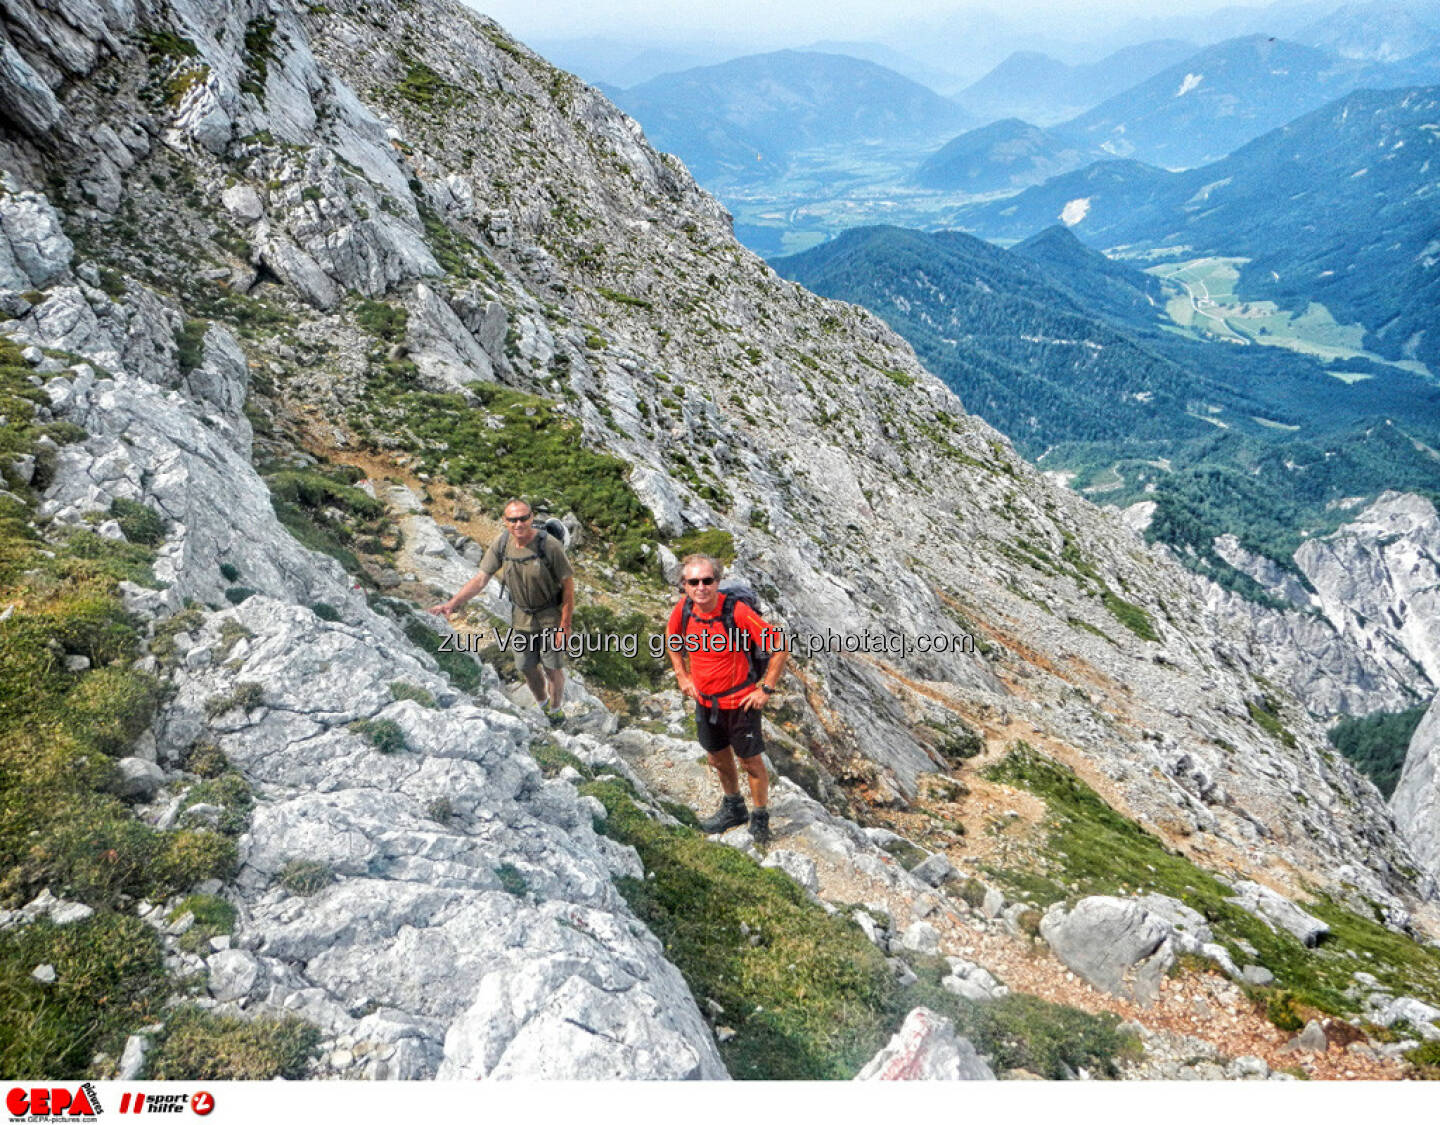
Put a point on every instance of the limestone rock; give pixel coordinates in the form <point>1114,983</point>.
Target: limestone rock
<point>1279,912</point>
<point>926,1048</point>
<point>139,778</point>
<point>34,250</point>
<point>1115,944</point>
<point>1416,801</point>
<point>799,867</point>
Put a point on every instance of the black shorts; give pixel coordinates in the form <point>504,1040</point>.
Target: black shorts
<point>738,728</point>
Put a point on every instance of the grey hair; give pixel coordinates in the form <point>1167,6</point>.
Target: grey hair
<point>709,560</point>
<point>526,503</point>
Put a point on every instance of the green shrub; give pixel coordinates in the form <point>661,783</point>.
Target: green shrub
<point>230,572</point>
<point>614,669</point>
<point>959,742</point>
<point>441,810</point>
<point>190,345</point>
<point>237,594</point>
<point>383,734</point>
<point>306,877</point>
<point>138,522</point>
<point>1426,1060</point>
<point>198,1045</point>
<point>230,792</point>
<point>512,881</point>
<point>206,760</point>
<point>325,611</point>
<point>973,892</point>
<point>109,708</point>
<point>188,857</point>
<point>1281,1010</point>
<point>385,321</point>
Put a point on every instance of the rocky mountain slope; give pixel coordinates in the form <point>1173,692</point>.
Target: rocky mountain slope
<point>338,278</point>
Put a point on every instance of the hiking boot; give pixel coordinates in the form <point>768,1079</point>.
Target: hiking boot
<point>760,826</point>
<point>730,814</point>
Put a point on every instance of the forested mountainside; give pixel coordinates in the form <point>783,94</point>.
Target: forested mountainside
<point>295,297</point>
<point>1365,162</point>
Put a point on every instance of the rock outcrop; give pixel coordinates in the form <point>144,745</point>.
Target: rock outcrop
<point>926,1048</point>
<point>1416,802</point>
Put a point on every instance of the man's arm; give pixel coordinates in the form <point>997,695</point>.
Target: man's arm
<point>758,694</point>
<point>463,595</point>
<point>759,633</point>
<point>567,606</point>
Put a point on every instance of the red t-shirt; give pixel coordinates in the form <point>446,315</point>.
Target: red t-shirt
<point>716,665</point>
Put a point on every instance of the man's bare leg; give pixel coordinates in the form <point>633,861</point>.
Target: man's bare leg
<point>759,779</point>
<point>536,682</point>
<point>555,683</point>
<point>723,762</point>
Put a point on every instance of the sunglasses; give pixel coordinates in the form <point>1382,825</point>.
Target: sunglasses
<point>700,581</point>
<point>517,519</point>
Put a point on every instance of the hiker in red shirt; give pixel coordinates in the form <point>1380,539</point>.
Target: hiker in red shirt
<point>713,667</point>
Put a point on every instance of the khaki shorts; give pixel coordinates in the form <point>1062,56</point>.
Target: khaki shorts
<point>538,654</point>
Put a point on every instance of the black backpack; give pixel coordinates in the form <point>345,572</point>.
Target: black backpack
<point>735,592</point>
<point>548,528</point>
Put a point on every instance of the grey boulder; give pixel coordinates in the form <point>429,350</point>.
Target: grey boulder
<point>1115,944</point>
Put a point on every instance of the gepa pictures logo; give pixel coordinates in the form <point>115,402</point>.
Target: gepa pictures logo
<point>55,1103</point>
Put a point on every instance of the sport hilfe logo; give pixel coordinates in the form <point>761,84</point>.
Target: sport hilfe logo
<point>201,1102</point>
<point>31,1103</point>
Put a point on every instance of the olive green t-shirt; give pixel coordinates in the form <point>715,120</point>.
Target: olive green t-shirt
<point>527,580</point>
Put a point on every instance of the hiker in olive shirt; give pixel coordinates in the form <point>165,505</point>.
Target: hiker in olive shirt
<point>541,586</point>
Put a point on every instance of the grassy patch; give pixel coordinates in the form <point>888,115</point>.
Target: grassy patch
<point>401,690</point>
<point>245,696</point>
<point>459,667</point>
<point>716,543</point>
<point>1132,616</point>
<point>624,299</point>
<point>229,792</point>
<point>200,1045</point>
<point>1092,849</point>
<point>1266,718</point>
<point>425,88</point>
<point>306,877</point>
<point>213,917</point>
<point>138,522</point>
<point>109,978</point>
<point>811,1000</point>
<point>324,512</point>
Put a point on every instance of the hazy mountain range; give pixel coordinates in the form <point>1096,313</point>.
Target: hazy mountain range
<point>741,119</point>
